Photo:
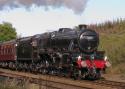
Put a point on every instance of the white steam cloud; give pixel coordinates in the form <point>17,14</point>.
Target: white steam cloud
<point>77,6</point>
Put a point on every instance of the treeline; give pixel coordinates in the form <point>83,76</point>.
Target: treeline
<point>7,32</point>
<point>110,27</point>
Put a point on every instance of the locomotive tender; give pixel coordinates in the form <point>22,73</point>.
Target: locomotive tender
<point>66,52</point>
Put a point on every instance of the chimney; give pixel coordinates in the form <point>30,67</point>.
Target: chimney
<point>82,26</point>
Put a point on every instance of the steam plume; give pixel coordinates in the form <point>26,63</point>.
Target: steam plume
<point>77,6</point>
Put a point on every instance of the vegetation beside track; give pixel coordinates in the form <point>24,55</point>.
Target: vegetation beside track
<point>112,40</point>
<point>8,86</point>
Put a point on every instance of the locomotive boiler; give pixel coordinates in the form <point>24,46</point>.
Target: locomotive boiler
<point>67,52</point>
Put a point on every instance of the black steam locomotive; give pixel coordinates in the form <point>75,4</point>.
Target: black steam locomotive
<point>66,52</point>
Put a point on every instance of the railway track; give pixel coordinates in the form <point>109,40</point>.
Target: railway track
<point>56,82</point>
<point>113,84</point>
<point>48,81</point>
<point>109,83</point>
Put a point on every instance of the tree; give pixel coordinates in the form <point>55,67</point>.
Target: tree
<point>7,32</point>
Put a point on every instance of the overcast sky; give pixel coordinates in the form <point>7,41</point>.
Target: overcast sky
<point>30,17</point>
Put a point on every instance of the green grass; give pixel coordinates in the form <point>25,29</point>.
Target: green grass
<point>5,86</point>
<point>6,83</point>
<point>114,46</point>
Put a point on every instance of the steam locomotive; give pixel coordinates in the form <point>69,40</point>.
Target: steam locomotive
<point>66,52</point>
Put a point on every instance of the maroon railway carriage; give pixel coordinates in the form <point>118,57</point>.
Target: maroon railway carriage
<point>7,52</point>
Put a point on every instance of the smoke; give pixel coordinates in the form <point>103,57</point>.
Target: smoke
<point>77,6</point>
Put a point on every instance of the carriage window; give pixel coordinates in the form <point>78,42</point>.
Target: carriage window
<point>12,50</point>
<point>7,50</point>
<point>1,51</point>
<point>4,50</point>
